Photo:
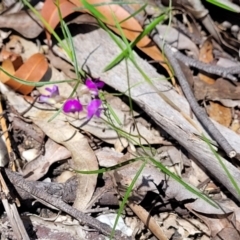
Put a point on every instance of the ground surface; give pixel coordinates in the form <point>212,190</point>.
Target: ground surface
<point>143,142</point>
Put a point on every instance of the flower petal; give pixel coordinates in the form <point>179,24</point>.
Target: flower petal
<point>46,99</point>
<point>93,108</point>
<point>90,84</point>
<point>99,84</point>
<point>93,86</point>
<point>43,98</point>
<point>72,106</point>
<point>54,91</point>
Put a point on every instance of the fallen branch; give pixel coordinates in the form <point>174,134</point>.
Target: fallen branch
<point>206,67</point>
<point>45,198</point>
<point>199,112</point>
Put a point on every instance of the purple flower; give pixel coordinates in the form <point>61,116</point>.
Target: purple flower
<point>94,86</point>
<point>53,92</point>
<point>72,106</point>
<point>93,108</point>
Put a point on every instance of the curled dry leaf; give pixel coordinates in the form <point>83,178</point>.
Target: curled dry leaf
<point>50,12</point>
<point>37,168</point>
<point>32,70</point>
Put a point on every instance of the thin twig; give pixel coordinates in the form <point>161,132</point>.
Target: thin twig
<point>206,67</point>
<point>199,112</point>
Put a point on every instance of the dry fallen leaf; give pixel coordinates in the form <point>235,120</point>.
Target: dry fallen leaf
<point>83,157</point>
<point>51,14</point>
<point>37,168</point>
<point>219,113</point>
<point>32,70</point>
<point>206,56</point>
<point>215,110</point>
<point>178,40</point>
<point>24,22</point>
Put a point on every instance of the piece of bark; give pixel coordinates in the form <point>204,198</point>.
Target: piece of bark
<point>66,191</point>
<point>104,50</point>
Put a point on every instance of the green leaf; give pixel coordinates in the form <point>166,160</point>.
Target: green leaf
<point>186,185</point>
<point>36,84</point>
<point>224,4</point>
<point>93,10</point>
<point>145,32</point>
<point>135,13</point>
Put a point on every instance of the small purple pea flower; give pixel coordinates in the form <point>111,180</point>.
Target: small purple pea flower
<point>94,86</point>
<point>93,108</point>
<point>53,92</point>
<point>72,105</point>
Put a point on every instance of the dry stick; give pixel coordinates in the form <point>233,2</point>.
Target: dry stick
<point>32,188</point>
<point>221,71</point>
<point>200,114</point>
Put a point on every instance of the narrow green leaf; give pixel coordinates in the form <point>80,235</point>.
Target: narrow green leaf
<point>135,13</point>
<point>36,84</point>
<point>126,196</point>
<point>145,32</point>
<point>108,169</point>
<point>46,24</point>
<point>109,3</point>
<point>224,5</point>
<point>93,10</point>
<point>187,186</point>
<point>231,178</point>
